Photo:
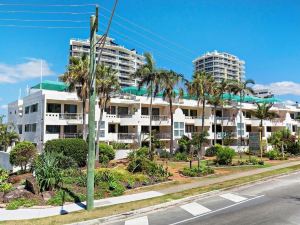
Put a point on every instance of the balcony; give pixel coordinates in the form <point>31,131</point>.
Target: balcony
<point>156,120</point>
<point>70,135</point>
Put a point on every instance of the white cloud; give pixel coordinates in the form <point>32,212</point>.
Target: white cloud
<point>3,107</point>
<point>24,71</point>
<point>289,102</point>
<point>281,88</point>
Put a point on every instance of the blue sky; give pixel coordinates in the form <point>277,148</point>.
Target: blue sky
<point>263,33</point>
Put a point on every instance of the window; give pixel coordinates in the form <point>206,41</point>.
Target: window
<point>185,112</point>
<point>155,112</point>
<point>111,128</point>
<point>248,114</point>
<point>145,111</point>
<point>33,127</point>
<point>27,109</point>
<point>145,129</point>
<point>269,129</point>
<point>178,129</point>
<point>20,129</point>
<point>70,129</point>
<point>122,110</point>
<point>190,128</point>
<point>52,129</point>
<point>26,127</point>
<point>53,108</point>
<point>70,108</point>
<point>34,108</point>
<point>193,112</point>
<point>102,129</point>
<point>30,127</point>
<point>248,128</point>
<point>294,128</point>
<point>123,129</point>
<point>219,113</point>
<point>111,110</point>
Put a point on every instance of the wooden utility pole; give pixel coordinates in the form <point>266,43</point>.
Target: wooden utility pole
<point>91,119</point>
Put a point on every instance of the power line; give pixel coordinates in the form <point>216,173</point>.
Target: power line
<point>43,20</point>
<point>151,32</point>
<point>150,39</point>
<point>46,5</point>
<point>40,27</point>
<point>43,12</point>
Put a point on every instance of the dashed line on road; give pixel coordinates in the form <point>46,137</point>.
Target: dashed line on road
<point>195,209</point>
<point>138,221</point>
<point>233,197</point>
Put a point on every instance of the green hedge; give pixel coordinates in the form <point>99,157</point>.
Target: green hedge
<point>72,147</point>
<point>106,152</point>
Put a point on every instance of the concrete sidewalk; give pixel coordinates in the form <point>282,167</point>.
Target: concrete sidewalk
<point>31,213</point>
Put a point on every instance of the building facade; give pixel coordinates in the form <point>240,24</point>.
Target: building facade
<point>221,65</point>
<point>121,59</point>
<point>48,114</point>
<point>263,93</point>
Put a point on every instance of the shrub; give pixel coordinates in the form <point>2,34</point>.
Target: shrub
<point>117,188</point>
<point>4,185</point>
<point>184,144</point>
<point>293,148</point>
<point>194,172</point>
<point>63,196</point>
<point>141,152</point>
<point>181,156</point>
<point>23,154</point>
<point>273,154</point>
<point>254,161</point>
<point>117,145</point>
<point>164,154</point>
<point>65,162</point>
<point>225,155</point>
<point>106,152</point>
<point>47,171</point>
<point>74,148</point>
<point>212,151</point>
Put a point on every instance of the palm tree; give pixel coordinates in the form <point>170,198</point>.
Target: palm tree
<point>168,81</point>
<point>77,78</point>
<point>200,88</point>
<point>242,88</point>
<point>148,76</point>
<point>263,113</point>
<point>107,83</point>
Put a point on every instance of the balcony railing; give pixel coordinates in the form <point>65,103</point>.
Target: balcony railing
<point>70,135</point>
<point>127,136</point>
<point>70,116</point>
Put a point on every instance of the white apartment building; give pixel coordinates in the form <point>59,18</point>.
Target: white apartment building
<point>220,65</point>
<point>123,60</point>
<point>47,114</point>
<point>263,93</point>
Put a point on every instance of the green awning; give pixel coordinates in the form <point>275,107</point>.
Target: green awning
<point>51,85</point>
<point>134,90</point>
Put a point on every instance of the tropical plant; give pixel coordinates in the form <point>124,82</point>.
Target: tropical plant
<point>168,81</point>
<point>47,171</point>
<point>7,136</point>
<point>198,139</point>
<point>148,75</point>
<point>107,83</point>
<point>4,185</point>
<point>23,155</point>
<point>263,112</point>
<point>77,77</point>
<point>106,150</point>
<point>242,88</point>
<point>224,155</point>
<point>280,139</point>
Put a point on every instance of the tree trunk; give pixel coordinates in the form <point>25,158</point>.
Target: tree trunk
<point>150,125</point>
<point>171,138</point>
<point>261,136</point>
<point>84,134</point>
<point>222,128</point>
<point>215,124</point>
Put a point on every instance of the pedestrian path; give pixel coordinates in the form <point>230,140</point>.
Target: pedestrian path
<point>186,212</point>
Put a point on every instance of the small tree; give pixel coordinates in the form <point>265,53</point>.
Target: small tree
<point>198,139</point>
<point>23,154</point>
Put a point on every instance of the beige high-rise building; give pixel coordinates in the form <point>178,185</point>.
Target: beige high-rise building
<point>221,65</point>
<point>125,61</point>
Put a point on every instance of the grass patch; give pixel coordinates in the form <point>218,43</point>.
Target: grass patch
<point>17,203</point>
<point>121,208</point>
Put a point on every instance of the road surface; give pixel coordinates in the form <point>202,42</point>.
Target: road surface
<point>273,202</point>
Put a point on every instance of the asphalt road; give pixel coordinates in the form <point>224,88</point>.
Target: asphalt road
<point>273,202</point>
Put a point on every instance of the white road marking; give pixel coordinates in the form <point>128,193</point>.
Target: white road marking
<point>195,209</point>
<point>233,197</point>
<point>138,221</point>
<point>218,210</point>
